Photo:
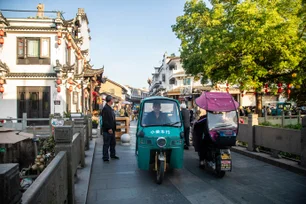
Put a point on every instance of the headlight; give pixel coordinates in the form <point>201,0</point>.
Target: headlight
<point>161,142</point>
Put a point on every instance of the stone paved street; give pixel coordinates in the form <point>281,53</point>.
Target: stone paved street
<point>251,181</point>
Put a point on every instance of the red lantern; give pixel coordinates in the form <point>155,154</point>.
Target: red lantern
<point>79,57</point>
<point>288,91</point>
<point>280,90</point>
<point>280,84</point>
<point>227,89</point>
<point>70,88</point>
<point>255,93</point>
<point>266,90</point>
<point>59,34</point>
<point>59,42</point>
<point>1,89</point>
<point>266,86</point>
<point>226,84</point>
<point>58,89</point>
<point>242,95</point>
<point>58,81</point>
<point>69,37</point>
<point>1,33</point>
<point>69,45</point>
<point>79,51</point>
<point>1,81</point>
<point>79,86</point>
<point>1,41</point>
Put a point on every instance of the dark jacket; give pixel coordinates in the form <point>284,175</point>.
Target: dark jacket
<point>151,119</point>
<point>186,117</point>
<point>108,118</point>
<point>200,132</point>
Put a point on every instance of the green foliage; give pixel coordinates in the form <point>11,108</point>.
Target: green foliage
<point>67,114</point>
<point>244,42</point>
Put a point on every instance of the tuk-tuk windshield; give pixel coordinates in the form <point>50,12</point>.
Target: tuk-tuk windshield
<point>160,113</point>
<point>222,120</point>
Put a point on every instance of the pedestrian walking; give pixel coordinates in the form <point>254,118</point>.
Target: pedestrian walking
<point>109,128</point>
<point>186,122</point>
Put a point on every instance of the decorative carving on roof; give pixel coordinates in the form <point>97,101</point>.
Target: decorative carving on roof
<point>3,20</point>
<point>79,40</point>
<point>84,52</point>
<point>4,67</point>
<point>68,22</point>
<point>31,75</point>
<point>68,68</point>
<point>31,28</point>
<point>58,67</point>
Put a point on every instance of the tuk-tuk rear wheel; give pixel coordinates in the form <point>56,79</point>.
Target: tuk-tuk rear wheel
<point>160,172</point>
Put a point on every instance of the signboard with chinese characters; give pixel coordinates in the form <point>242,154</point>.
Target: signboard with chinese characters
<point>167,132</point>
<point>57,102</point>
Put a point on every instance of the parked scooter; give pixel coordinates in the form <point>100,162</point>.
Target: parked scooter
<point>222,124</point>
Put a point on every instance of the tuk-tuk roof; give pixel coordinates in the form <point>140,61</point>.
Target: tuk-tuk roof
<point>157,98</point>
<point>217,101</point>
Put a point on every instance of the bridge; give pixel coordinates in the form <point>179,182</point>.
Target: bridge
<point>251,181</point>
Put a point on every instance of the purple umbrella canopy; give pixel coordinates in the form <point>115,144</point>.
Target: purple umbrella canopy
<point>217,101</point>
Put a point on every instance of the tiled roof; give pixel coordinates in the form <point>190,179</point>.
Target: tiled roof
<point>92,72</point>
<point>30,28</point>
<point>30,75</point>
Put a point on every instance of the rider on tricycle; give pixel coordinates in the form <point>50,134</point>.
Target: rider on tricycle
<point>159,137</point>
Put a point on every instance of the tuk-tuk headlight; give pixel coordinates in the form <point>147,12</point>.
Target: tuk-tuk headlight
<point>161,142</point>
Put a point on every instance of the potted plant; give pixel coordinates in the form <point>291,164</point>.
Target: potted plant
<point>95,124</point>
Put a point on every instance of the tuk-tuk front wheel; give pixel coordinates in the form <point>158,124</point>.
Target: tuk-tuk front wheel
<point>160,172</point>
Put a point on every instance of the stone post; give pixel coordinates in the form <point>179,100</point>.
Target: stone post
<point>303,142</point>
<point>24,121</point>
<point>252,121</point>
<point>10,184</point>
<point>89,126</point>
<point>79,127</point>
<point>63,138</point>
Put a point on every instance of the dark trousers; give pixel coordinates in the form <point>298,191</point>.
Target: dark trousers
<point>204,149</point>
<point>109,142</point>
<point>186,135</point>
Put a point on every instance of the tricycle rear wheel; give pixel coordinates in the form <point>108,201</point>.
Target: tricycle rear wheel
<point>160,172</point>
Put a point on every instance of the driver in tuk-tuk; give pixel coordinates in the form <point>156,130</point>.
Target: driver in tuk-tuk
<point>156,117</point>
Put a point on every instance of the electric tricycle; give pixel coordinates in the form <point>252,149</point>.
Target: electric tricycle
<point>219,131</point>
<point>159,136</point>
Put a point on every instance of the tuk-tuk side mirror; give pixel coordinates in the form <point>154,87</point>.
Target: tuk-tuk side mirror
<point>140,134</point>
<point>182,135</point>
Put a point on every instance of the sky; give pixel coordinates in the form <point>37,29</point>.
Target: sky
<point>129,37</point>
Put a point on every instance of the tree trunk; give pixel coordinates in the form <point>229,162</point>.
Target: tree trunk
<point>259,104</point>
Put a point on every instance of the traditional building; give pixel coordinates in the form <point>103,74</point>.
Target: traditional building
<point>137,95</point>
<point>116,90</point>
<point>44,65</point>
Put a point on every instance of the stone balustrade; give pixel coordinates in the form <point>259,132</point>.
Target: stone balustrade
<point>277,139</point>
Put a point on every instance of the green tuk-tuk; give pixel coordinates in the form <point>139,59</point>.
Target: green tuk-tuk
<point>280,107</point>
<point>159,136</point>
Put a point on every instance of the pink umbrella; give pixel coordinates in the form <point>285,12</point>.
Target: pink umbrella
<point>217,101</point>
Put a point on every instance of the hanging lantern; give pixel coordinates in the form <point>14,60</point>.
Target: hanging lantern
<point>294,75</point>
<point>70,81</point>
<point>280,90</point>
<point>59,42</point>
<point>279,84</point>
<point>69,45</point>
<point>1,41</point>
<point>1,33</point>
<point>79,86</point>
<point>69,37</point>
<point>266,90</point>
<point>288,91</point>
<point>1,89</point>
<point>58,89</point>
<point>227,89</point>
<point>79,51</point>
<point>226,84</point>
<point>242,95</point>
<point>59,34</point>
<point>79,57</point>
<point>266,86</point>
<point>289,86</point>
<point>255,93</point>
<point>1,81</point>
<point>70,88</point>
<point>58,81</point>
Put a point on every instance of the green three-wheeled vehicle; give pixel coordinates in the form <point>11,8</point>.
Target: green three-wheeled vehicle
<point>159,136</point>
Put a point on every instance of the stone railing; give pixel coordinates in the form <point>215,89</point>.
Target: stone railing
<point>276,139</point>
<point>51,185</point>
<point>56,183</point>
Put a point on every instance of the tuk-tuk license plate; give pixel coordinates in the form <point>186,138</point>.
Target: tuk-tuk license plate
<point>226,165</point>
<point>225,156</point>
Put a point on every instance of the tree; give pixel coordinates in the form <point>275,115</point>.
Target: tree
<point>172,55</point>
<point>250,42</point>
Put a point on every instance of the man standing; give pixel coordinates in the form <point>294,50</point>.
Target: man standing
<point>109,128</point>
<point>186,122</point>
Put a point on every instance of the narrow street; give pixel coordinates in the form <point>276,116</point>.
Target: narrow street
<point>251,181</point>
